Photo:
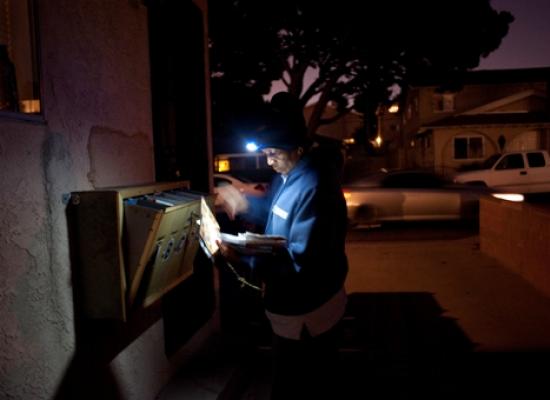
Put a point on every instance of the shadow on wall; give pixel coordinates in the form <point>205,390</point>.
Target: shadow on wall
<point>87,379</point>
<point>89,375</point>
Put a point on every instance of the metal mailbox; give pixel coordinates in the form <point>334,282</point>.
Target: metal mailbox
<point>133,244</point>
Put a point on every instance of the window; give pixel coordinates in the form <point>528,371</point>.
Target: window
<point>239,162</point>
<point>444,102</point>
<point>469,147</point>
<point>511,161</point>
<point>536,160</point>
<point>19,77</point>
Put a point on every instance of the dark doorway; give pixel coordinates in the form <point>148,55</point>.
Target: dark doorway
<point>179,92</point>
<point>180,131</point>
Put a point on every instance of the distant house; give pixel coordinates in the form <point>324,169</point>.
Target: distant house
<point>493,111</point>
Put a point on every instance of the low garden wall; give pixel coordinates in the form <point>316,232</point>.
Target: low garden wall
<point>518,236</point>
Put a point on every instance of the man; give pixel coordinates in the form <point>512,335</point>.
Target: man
<point>304,295</point>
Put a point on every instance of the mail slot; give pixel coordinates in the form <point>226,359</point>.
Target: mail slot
<point>133,244</point>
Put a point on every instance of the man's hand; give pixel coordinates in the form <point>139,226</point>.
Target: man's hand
<point>232,201</point>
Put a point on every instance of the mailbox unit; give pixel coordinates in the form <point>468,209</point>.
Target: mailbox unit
<point>133,244</point>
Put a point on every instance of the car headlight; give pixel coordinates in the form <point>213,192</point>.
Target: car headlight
<point>515,197</point>
<point>347,196</point>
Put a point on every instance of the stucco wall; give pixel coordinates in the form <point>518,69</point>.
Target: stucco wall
<point>96,132</point>
<point>36,333</point>
<point>96,82</point>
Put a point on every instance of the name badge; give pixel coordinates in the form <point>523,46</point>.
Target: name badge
<point>280,212</point>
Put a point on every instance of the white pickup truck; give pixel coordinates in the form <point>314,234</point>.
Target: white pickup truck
<point>518,171</point>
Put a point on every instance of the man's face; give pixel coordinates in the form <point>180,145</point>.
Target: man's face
<point>282,161</point>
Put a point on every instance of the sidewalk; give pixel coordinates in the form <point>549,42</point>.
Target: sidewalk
<point>495,308</point>
<point>426,319</point>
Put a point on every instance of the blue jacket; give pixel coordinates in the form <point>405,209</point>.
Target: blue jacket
<point>309,210</point>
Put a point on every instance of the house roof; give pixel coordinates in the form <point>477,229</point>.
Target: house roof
<point>492,119</point>
<point>494,105</point>
<point>494,113</point>
<point>489,77</point>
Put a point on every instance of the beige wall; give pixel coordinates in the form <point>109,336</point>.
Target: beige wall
<point>443,139</point>
<point>96,132</point>
<point>444,146</point>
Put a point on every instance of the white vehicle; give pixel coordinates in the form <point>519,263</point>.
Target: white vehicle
<point>245,187</point>
<point>518,171</point>
<point>410,195</point>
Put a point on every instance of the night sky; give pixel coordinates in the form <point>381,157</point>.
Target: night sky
<point>526,45</point>
<point>528,41</point>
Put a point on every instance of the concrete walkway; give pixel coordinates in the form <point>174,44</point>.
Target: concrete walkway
<point>495,308</point>
<point>427,318</point>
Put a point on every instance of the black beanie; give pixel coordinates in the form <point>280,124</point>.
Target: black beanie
<point>285,126</point>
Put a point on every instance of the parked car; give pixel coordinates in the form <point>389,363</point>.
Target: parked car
<point>410,195</point>
<point>242,184</point>
<point>519,171</point>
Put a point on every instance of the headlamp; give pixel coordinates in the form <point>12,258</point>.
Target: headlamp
<point>251,147</point>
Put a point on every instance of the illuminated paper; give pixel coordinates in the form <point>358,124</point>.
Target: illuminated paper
<point>209,229</point>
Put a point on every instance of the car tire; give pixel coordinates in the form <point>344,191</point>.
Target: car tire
<point>365,215</point>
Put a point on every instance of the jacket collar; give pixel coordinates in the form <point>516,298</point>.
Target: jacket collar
<point>300,166</point>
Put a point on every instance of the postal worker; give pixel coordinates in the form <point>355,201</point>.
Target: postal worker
<point>304,295</point>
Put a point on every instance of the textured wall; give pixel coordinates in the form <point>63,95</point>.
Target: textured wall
<point>96,132</point>
<point>36,334</point>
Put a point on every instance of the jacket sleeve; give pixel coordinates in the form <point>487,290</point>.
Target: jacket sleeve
<point>302,229</point>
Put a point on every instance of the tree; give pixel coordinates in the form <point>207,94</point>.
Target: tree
<point>358,50</point>
<point>237,111</point>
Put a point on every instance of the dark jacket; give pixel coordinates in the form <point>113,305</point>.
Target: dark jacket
<point>310,211</point>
